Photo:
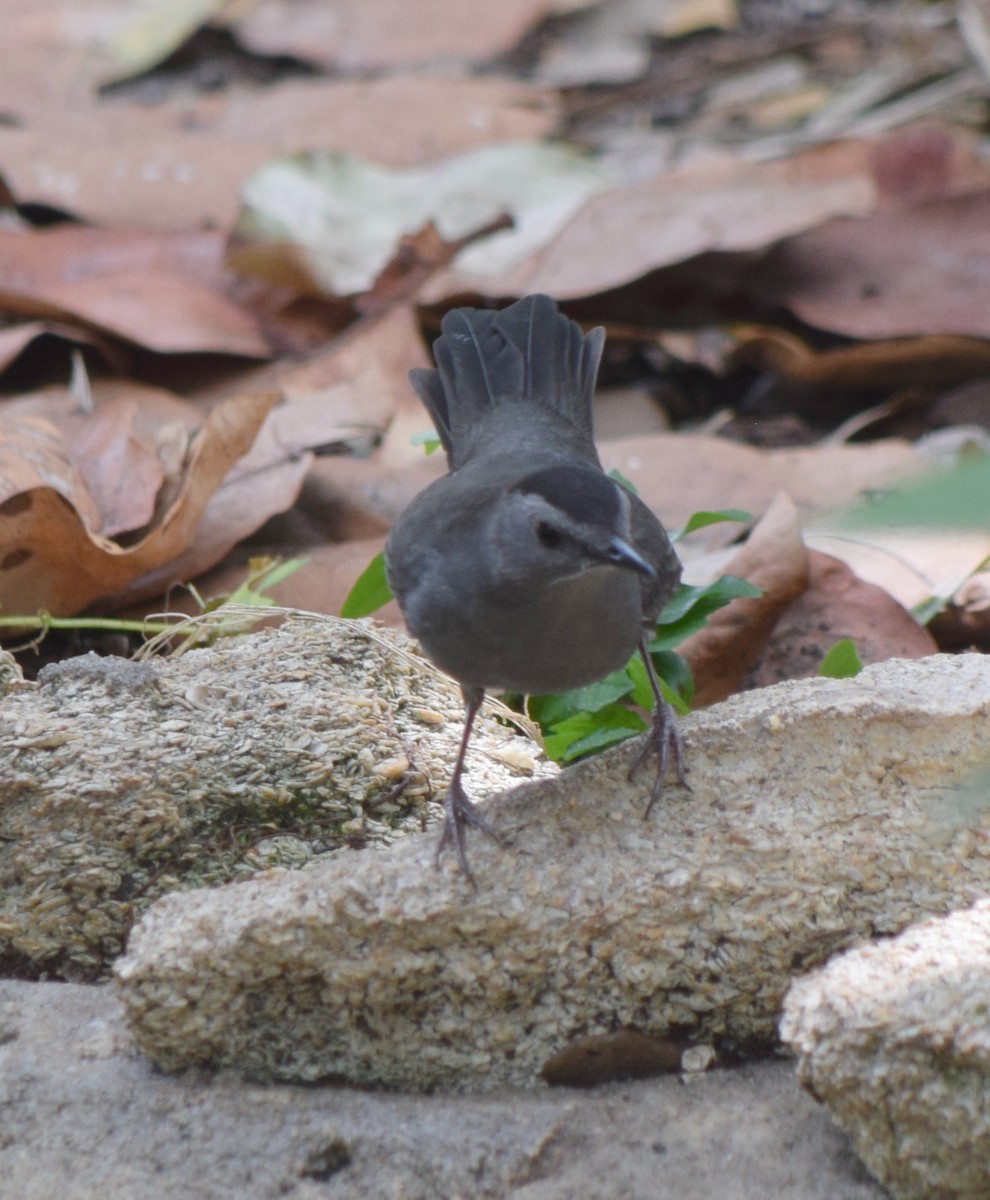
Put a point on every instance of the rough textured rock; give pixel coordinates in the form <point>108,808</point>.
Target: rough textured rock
<point>83,1116</point>
<point>821,811</point>
<point>895,1039</point>
<point>121,781</point>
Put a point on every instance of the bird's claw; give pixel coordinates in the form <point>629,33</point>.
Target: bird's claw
<point>459,813</point>
<point>663,740</point>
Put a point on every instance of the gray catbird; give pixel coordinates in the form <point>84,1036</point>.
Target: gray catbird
<point>526,568</point>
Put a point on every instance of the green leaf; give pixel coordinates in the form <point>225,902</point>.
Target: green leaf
<point>842,661</point>
<point>689,609</point>
<point>925,610</point>
<point>699,520</point>
<point>622,481</point>
<point>263,573</point>
<point>370,592</point>
<point>555,707</point>
<point>585,733</point>
<point>955,499</point>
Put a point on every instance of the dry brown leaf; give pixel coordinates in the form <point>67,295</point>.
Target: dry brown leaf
<point>774,559</point>
<point>399,121</point>
<point>678,474</point>
<point>623,234</point>
<point>129,166</point>
<point>911,565</point>
<point>51,556</point>
<point>163,291</point>
<point>900,273</point>
<point>183,162</point>
<point>121,475</point>
<point>265,481</point>
<point>50,53</point>
<point>353,35</point>
<point>321,584</point>
<point>836,605</point>
<point>351,390</point>
<point>928,160</point>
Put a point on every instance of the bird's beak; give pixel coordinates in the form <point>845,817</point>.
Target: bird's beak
<point>623,555</point>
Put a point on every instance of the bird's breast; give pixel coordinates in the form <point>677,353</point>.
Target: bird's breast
<point>564,636</point>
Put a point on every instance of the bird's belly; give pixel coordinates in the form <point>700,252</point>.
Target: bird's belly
<point>569,636</point>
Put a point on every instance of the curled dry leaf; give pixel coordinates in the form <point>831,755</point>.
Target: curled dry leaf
<point>349,391</point>
<point>53,556</point>
<point>774,559</point>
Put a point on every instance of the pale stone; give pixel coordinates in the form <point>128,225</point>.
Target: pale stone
<point>821,811</point>
<point>894,1037</point>
<point>120,781</point>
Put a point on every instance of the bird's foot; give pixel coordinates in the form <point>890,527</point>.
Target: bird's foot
<point>663,740</point>
<point>458,813</point>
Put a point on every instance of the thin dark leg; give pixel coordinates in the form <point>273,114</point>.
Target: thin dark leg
<point>663,738</point>
<point>459,811</point>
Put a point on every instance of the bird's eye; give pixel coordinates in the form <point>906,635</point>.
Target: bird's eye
<point>549,537</point>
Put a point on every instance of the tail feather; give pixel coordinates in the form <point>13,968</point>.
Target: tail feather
<point>529,352</point>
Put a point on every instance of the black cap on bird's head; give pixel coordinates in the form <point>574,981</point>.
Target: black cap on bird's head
<point>592,507</point>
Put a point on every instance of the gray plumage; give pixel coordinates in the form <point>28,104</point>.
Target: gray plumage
<point>526,568</point>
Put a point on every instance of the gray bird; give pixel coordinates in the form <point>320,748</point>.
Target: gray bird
<point>526,568</point>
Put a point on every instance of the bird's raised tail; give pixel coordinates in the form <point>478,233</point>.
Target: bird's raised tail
<point>529,353</point>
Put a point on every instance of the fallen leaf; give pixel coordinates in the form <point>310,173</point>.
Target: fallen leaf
<point>678,474</point>
<point>899,273</point>
<point>397,121</point>
<point>774,559</point>
<point>838,604</point>
<point>624,233</point>
<point>344,218</point>
<point>910,565</point>
<point>160,291</point>
<point>183,162</point>
<point>347,391</point>
<point>353,35</point>
<point>153,31</point>
<point>350,390</point>
<point>320,585</point>
<point>120,473</point>
<point>52,557</point>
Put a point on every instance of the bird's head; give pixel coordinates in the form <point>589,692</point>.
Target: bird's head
<point>560,522</point>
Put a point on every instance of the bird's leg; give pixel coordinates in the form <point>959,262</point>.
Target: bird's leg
<point>663,738</point>
<point>459,811</point>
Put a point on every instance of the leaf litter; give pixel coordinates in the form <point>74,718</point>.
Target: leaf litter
<point>778,220</point>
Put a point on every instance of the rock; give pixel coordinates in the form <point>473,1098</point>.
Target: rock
<point>121,781</point>
<point>895,1039</point>
<point>821,811</point>
<point>84,1115</point>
